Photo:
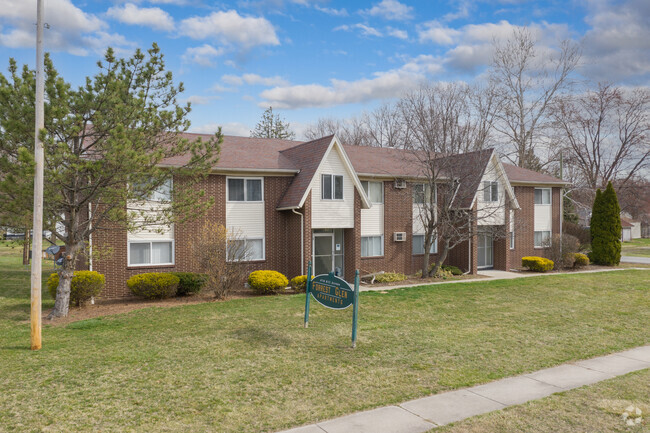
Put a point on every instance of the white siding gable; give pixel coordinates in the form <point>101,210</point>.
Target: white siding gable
<point>491,213</point>
<point>332,213</point>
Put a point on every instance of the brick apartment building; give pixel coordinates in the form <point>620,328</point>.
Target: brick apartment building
<point>344,208</point>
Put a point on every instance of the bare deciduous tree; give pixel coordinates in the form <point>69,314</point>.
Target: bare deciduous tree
<point>444,137</point>
<point>605,131</point>
<point>222,255</point>
<point>528,80</point>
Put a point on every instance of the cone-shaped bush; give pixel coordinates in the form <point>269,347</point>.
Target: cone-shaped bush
<point>606,228</point>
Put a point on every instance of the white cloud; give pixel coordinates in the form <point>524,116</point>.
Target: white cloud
<point>365,29</point>
<point>203,55</point>
<point>200,99</point>
<point>331,11</point>
<point>397,33</point>
<point>388,84</point>
<point>71,29</point>
<point>391,10</point>
<point>254,80</point>
<point>231,28</point>
<point>230,128</point>
<point>433,31</point>
<point>617,47</point>
<point>155,18</point>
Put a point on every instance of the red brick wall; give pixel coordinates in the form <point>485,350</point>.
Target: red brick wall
<point>352,242</point>
<point>525,223</point>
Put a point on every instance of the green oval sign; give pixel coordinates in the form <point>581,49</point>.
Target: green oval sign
<point>332,292</point>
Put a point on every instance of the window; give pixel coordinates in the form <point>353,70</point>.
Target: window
<point>143,253</point>
<point>374,191</point>
<point>372,246</point>
<point>332,187</point>
<point>541,237</point>
<point>250,249</point>
<point>542,195</point>
<point>418,245</point>
<point>244,189</point>
<point>418,193</point>
<point>512,240</point>
<point>162,193</point>
<point>490,191</point>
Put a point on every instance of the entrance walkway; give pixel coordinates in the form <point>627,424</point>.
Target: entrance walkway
<point>421,415</point>
<point>487,275</point>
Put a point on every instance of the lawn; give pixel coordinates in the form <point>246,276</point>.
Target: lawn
<point>247,365</point>
<point>595,408</point>
<point>636,247</point>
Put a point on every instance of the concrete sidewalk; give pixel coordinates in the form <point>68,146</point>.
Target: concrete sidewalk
<point>421,415</point>
<point>631,259</point>
<point>487,275</point>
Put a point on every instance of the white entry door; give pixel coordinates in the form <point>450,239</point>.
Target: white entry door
<point>485,250</point>
<point>323,253</point>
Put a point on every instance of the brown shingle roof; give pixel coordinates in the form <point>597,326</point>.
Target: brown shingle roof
<point>307,156</point>
<point>523,175</point>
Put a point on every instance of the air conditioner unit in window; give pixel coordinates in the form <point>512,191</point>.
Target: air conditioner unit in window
<point>399,236</point>
<point>400,183</point>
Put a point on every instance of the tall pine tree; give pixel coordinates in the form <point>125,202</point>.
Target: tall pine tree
<point>606,228</point>
<point>271,126</point>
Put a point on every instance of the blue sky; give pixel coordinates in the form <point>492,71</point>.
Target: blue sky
<point>311,58</point>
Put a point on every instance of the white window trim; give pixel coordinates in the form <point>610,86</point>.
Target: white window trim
<point>251,260</point>
<point>550,198</point>
<point>492,199</point>
<point>541,231</point>
<point>322,190</point>
<point>434,245</point>
<point>244,178</point>
<point>149,241</point>
<point>382,245</point>
<point>368,192</point>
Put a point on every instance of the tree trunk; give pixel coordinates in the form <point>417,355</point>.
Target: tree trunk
<point>441,259</point>
<point>62,303</point>
<point>425,261</point>
<point>26,247</point>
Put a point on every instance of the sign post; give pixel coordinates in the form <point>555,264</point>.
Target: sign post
<point>355,309</point>
<point>307,290</point>
<point>335,293</point>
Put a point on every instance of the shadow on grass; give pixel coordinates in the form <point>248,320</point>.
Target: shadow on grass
<point>256,336</point>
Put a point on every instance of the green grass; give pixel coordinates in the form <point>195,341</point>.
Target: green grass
<point>636,248</point>
<point>247,365</point>
<point>595,408</point>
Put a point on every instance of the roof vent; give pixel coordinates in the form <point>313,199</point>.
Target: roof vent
<point>400,183</point>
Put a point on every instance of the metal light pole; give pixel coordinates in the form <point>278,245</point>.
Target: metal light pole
<point>39,158</point>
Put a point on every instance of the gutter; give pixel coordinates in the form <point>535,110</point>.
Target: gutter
<point>302,241</point>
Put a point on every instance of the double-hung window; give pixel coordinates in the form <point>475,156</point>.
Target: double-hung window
<point>541,237</point>
<point>490,191</point>
<point>372,246</point>
<point>543,196</point>
<point>332,187</point>
<point>418,245</point>
<point>374,191</point>
<point>148,253</point>
<point>419,194</point>
<point>244,189</point>
<point>244,250</point>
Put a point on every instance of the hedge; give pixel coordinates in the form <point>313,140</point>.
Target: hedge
<point>580,260</point>
<point>299,283</point>
<point>84,285</point>
<point>537,264</point>
<point>154,285</point>
<point>189,282</point>
<point>267,281</point>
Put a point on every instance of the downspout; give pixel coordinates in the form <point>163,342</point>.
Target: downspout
<point>90,244</point>
<point>469,243</point>
<point>302,241</point>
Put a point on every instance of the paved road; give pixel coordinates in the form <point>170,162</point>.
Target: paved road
<point>642,260</point>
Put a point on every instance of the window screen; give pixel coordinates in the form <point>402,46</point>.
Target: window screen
<point>236,190</point>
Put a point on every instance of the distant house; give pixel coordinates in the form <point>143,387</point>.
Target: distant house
<point>343,208</point>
